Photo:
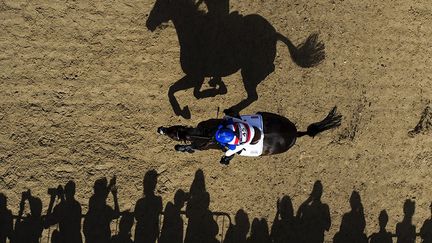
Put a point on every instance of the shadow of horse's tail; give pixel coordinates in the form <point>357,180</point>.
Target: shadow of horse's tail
<point>308,54</point>
<point>332,120</point>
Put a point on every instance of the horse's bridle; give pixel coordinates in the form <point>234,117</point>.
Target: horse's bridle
<point>177,135</point>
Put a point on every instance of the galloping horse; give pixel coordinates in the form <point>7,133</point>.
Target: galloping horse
<point>280,134</point>
<point>217,48</point>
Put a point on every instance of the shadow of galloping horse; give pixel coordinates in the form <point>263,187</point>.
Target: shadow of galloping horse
<point>217,48</point>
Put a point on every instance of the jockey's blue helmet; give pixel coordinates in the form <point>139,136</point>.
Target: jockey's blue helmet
<point>224,135</point>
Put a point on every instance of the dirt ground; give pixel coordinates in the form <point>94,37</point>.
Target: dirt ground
<point>84,87</point>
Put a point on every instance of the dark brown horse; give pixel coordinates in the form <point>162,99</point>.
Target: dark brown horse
<point>280,134</point>
<point>218,47</point>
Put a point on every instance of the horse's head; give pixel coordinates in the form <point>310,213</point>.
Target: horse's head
<point>160,13</point>
<point>166,10</point>
<point>177,133</point>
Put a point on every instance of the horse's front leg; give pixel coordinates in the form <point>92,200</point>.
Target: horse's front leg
<point>184,148</point>
<point>186,82</point>
<point>251,79</point>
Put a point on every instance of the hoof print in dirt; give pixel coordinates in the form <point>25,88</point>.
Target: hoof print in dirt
<point>425,124</point>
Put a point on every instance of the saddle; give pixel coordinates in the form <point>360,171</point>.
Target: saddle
<point>255,148</point>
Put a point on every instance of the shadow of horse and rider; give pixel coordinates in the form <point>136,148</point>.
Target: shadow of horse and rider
<point>217,44</point>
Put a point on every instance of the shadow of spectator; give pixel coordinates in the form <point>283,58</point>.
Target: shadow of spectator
<point>126,223</point>
<point>172,229</point>
<point>353,223</point>
<point>237,233</point>
<point>284,228</point>
<point>6,220</point>
<point>147,210</point>
<point>201,227</point>
<point>426,229</point>
<point>67,214</point>
<point>96,226</point>
<point>382,236</point>
<point>259,232</point>
<point>313,216</point>
<point>29,229</point>
<point>405,230</point>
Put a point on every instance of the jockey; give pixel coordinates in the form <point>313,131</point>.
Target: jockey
<point>233,135</point>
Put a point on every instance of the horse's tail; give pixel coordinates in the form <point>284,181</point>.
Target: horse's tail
<point>332,120</point>
<point>308,54</point>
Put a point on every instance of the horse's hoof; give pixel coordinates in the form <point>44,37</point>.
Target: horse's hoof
<point>161,130</point>
<point>179,148</point>
<point>223,90</point>
<point>185,113</point>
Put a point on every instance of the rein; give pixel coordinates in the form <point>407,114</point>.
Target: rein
<point>201,137</point>
<point>193,136</point>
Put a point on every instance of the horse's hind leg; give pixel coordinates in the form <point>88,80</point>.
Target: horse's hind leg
<point>186,82</point>
<point>251,79</point>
